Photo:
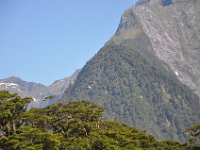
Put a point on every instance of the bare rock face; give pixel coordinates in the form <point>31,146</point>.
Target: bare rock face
<point>173,28</point>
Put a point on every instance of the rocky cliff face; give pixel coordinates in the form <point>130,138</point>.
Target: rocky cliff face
<point>174,34</point>
<point>148,73</point>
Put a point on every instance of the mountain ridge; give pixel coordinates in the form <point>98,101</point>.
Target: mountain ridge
<point>37,91</point>
<point>141,76</point>
<point>169,45</point>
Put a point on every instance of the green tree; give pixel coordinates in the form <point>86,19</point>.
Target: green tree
<point>11,106</point>
<point>32,138</point>
<point>76,125</point>
<point>75,118</point>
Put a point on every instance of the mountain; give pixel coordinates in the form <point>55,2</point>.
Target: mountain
<point>35,90</point>
<point>59,86</point>
<point>148,73</point>
<point>174,33</point>
<point>23,88</point>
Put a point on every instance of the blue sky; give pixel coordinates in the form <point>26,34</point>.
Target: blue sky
<point>45,40</point>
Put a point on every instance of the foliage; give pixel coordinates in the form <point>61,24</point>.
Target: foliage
<point>76,125</point>
<point>194,133</point>
<point>49,97</point>
<point>11,107</point>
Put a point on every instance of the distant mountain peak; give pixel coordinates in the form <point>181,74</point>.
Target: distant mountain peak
<point>13,78</point>
<point>37,91</point>
<point>17,80</point>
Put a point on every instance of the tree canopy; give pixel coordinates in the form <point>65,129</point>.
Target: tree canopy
<point>76,125</point>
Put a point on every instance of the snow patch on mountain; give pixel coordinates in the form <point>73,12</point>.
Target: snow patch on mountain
<point>34,99</point>
<point>8,84</point>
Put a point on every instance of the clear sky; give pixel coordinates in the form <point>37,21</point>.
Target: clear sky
<point>45,40</point>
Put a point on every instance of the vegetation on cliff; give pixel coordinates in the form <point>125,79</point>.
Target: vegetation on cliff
<point>136,89</point>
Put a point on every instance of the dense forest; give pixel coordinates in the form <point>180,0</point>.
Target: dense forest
<point>136,89</point>
<point>76,125</point>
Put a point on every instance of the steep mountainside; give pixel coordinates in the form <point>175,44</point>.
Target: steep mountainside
<point>147,74</point>
<point>34,90</point>
<point>174,34</point>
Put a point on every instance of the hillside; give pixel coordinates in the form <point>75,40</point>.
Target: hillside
<point>147,74</point>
